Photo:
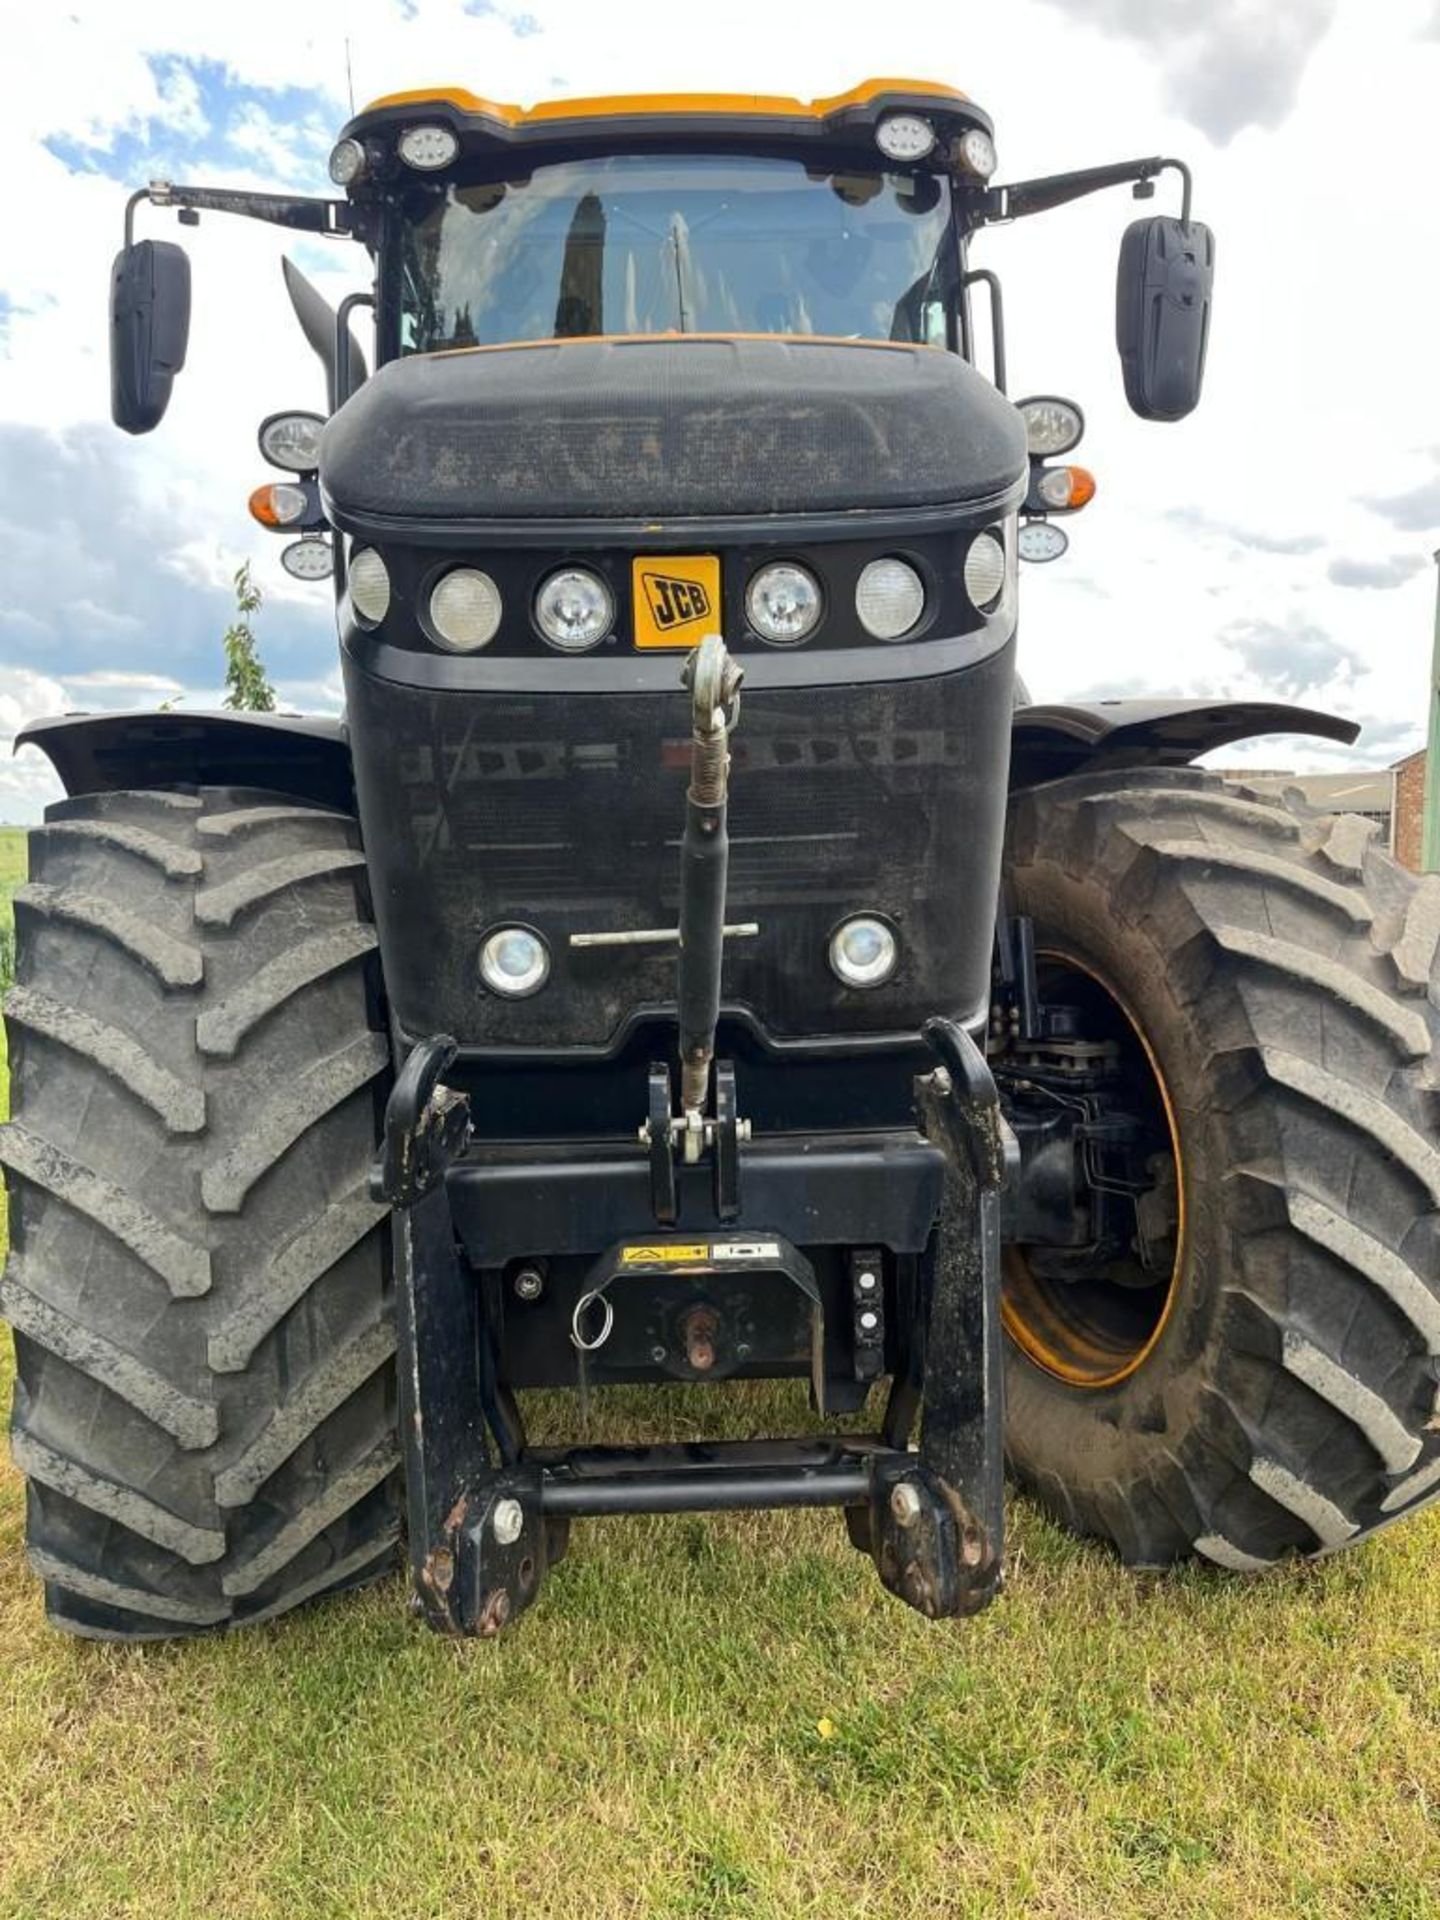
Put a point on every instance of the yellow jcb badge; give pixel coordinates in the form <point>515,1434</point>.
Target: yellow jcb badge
<point>677,599</point>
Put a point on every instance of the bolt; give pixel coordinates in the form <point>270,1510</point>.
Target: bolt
<point>508,1520</point>
<point>867,1282</point>
<point>869,1321</point>
<point>529,1283</point>
<point>905,1503</point>
<point>657,1354</point>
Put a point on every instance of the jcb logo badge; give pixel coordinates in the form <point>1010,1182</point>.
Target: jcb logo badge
<point>676,599</point>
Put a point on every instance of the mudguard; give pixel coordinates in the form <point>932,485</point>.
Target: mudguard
<point>306,758</point>
<point>1048,742</point>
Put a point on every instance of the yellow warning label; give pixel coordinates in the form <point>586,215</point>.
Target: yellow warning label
<point>677,599</point>
<point>663,1256</point>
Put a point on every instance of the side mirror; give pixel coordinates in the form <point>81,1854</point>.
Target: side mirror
<point>1162,314</point>
<point>149,326</point>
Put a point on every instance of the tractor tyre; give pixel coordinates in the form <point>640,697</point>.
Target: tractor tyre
<point>198,1280</point>
<point>1271,1388</point>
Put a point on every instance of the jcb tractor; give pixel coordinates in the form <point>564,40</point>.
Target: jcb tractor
<point>692,959</point>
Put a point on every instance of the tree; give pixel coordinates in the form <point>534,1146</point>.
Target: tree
<point>246,688</point>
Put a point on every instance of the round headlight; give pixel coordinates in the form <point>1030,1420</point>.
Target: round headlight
<point>465,610</point>
<point>292,441</point>
<point>514,961</point>
<point>369,583</point>
<point>904,136</point>
<point>1052,425</point>
<point>783,605</point>
<point>985,571</point>
<point>347,162</point>
<point>976,152</point>
<point>308,559</point>
<point>889,598</point>
<point>1040,540</point>
<point>863,951</point>
<point>574,610</point>
<point>427,148</point>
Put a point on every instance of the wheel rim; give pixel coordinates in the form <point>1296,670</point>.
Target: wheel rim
<point>1097,1331</point>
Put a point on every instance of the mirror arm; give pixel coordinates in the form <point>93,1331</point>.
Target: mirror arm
<point>331,217</point>
<point>1055,189</point>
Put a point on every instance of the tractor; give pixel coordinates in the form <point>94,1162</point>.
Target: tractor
<point>693,959</point>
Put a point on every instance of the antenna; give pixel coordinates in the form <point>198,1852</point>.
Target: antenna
<point>349,77</point>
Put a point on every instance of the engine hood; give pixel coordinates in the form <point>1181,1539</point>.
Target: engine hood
<point>670,425</point>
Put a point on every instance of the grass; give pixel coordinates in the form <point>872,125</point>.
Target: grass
<point>726,1719</point>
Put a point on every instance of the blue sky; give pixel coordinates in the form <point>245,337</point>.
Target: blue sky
<point>1279,540</point>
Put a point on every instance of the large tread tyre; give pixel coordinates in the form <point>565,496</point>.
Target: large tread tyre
<point>198,1281</point>
<point>1283,970</point>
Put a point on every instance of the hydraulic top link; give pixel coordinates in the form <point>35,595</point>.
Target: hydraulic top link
<point>713,680</point>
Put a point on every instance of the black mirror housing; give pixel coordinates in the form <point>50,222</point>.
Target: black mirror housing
<point>1162,314</point>
<point>149,328</point>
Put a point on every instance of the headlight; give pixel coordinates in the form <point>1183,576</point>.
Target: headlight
<point>985,571</point>
<point>574,610</point>
<point>1052,426</point>
<point>514,962</point>
<point>292,441</point>
<point>889,598</point>
<point>369,584</point>
<point>308,559</point>
<point>465,610</point>
<point>863,951</point>
<point>427,148</point>
<point>904,136</point>
<point>975,151</point>
<point>347,162</point>
<point>783,604</point>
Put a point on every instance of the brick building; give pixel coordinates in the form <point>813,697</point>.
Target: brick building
<point>1409,804</point>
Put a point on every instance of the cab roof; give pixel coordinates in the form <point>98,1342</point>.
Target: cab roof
<point>741,117</point>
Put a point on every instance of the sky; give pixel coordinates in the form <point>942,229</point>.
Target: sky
<point>1277,543</point>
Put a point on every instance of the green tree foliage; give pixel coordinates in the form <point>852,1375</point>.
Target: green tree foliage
<point>246,688</point>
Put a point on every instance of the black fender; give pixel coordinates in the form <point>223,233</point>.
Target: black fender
<point>303,758</point>
<point>1046,743</point>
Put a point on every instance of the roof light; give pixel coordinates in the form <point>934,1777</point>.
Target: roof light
<point>1052,425</point>
<point>347,162</point>
<point>427,148</point>
<point>975,151</point>
<point>904,136</point>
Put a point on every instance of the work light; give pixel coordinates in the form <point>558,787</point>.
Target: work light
<point>369,584</point>
<point>308,559</point>
<point>783,604</point>
<point>1039,540</point>
<point>347,162</point>
<point>465,608</point>
<point>574,610</point>
<point>904,136</point>
<point>889,598</point>
<point>426,148</point>
<point>975,151</point>
<point>863,951</point>
<point>514,962</point>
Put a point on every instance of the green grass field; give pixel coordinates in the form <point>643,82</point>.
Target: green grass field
<point>727,1717</point>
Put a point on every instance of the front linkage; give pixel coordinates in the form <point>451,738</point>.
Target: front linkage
<point>489,1514</point>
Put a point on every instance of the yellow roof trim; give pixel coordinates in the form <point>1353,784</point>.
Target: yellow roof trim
<point>626,106</point>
